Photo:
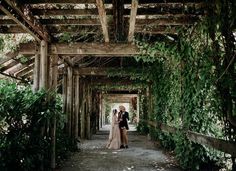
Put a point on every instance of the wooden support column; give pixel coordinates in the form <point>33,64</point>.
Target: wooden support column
<point>103,19</point>
<point>77,106</point>
<point>36,72</point>
<point>88,112</point>
<point>100,111</point>
<point>69,99</point>
<point>82,118</point>
<point>133,13</point>
<point>53,87</point>
<point>44,65</point>
<point>64,89</point>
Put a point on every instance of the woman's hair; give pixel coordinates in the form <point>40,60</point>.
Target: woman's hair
<point>114,111</point>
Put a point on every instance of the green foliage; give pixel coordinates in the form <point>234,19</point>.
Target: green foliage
<point>185,94</point>
<point>23,117</point>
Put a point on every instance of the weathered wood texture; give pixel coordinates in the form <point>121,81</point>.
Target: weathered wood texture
<point>77,106</point>
<point>99,71</point>
<point>133,13</point>
<point>93,49</point>
<point>216,143</point>
<point>69,109</point>
<point>103,19</point>
<point>36,72</point>
<point>24,19</point>
<point>106,2</point>
<point>118,19</point>
<point>44,65</point>
<point>53,87</point>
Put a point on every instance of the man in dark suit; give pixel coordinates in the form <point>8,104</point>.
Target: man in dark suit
<point>123,124</point>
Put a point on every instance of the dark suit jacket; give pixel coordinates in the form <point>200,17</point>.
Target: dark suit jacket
<point>124,122</point>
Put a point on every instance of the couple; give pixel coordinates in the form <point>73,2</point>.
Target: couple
<point>118,137</point>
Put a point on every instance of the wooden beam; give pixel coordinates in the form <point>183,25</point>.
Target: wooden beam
<point>44,65</point>
<point>23,70</point>
<point>216,143</point>
<point>98,71</point>
<point>86,49</point>
<point>118,19</point>
<point>103,19</point>
<point>69,100</point>
<point>7,57</point>
<point>24,19</point>
<point>36,77</point>
<point>94,49</point>
<point>133,13</point>
<point>77,106</point>
<point>145,29</point>
<point>171,20</point>
<point>10,65</point>
<point>106,2</point>
<point>155,10</point>
<point>20,66</point>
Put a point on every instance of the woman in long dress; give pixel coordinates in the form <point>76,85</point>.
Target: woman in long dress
<point>114,136</point>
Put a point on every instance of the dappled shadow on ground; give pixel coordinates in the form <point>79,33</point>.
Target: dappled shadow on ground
<point>142,155</point>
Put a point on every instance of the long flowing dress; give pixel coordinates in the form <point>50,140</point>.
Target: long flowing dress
<point>114,136</point>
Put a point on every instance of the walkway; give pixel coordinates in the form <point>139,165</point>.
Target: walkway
<point>141,156</point>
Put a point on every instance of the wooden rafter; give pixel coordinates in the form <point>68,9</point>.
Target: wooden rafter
<point>8,56</point>
<point>23,17</point>
<point>25,70</point>
<point>20,66</point>
<point>103,19</point>
<point>6,67</point>
<point>133,13</point>
<point>118,19</point>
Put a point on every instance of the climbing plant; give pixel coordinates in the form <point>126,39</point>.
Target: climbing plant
<point>187,91</point>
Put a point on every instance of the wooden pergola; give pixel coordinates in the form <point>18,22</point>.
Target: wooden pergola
<point>110,27</point>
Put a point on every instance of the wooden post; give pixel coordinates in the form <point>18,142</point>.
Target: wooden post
<point>36,72</point>
<point>138,107</point>
<point>43,78</point>
<point>44,65</point>
<point>100,111</point>
<point>69,99</point>
<point>77,104</point>
<point>64,87</point>
<point>53,87</point>
<point>88,112</point>
<point>82,119</point>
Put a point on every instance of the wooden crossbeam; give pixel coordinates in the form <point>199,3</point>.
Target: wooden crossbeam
<point>24,19</point>
<point>87,49</point>
<point>106,2</point>
<point>183,20</point>
<point>133,13</point>
<point>90,30</point>
<point>145,29</point>
<point>98,71</point>
<point>103,19</point>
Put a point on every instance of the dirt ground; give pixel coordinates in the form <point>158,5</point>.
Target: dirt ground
<point>142,155</point>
